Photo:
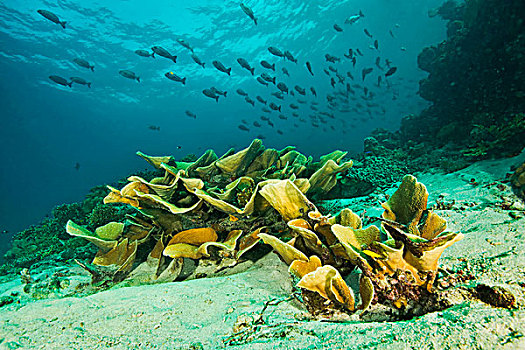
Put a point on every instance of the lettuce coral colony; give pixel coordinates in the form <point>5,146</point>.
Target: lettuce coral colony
<point>216,209</point>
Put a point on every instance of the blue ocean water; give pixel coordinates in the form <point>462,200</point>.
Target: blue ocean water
<point>47,129</point>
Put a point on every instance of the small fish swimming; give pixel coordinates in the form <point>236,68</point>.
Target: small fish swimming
<point>275,51</point>
<point>243,127</point>
<point>159,50</point>
<point>359,52</point>
<point>279,132</point>
<point>260,99</point>
<point>83,63</point>
<point>268,78</point>
<point>244,64</point>
<point>330,58</point>
<point>129,74</point>
<point>282,86</point>
<point>154,127</point>
<point>365,72</point>
<point>378,60</point>
<point>80,81</point>
<point>249,12</point>
<point>309,67</point>
<point>376,44</point>
<point>172,76</point>
<point>390,71</point>
<point>312,89</point>
<point>209,93</point>
<point>267,65</point>
<point>278,94</point>
<point>60,80</point>
<point>262,81</point>
<point>300,90</point>
<point>197,60</point>
<point>332,69</point>
<point>185,44</point>
<point>354,18</point>
<point>292,106</point>
<point>288,55</point>
<point>145,53</point>
<point>274,106</point>
<point>332,82</point>
<point>250,101</point>
<point>257,124</point>
<point>191,114</point>
<point>52,17</point>
<point>283,117</point>
<point>77,167</point>
<point>337,28</point>
<point>285,72</point>
<point>348,74</point>
<point>367,33</point>
<point>221,67</point>
<point>218,92</point>
<point>265,110</point>
<point>242,92</point>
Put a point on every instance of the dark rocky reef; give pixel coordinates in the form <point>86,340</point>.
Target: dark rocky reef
<point>518,181</point>
<point>475,83</point>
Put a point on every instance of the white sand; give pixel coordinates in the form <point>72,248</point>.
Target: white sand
<point>177,315</point>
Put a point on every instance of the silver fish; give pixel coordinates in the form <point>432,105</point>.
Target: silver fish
<point>244,64</point>
<point>83,63</point>
<point>52,17</point>
<point>60,80</point>
<point>159,50</point>
<point>80,81</point>
<point>221,67</point>
<point>145,53</point>
<point>197,60</point>
<point>249,12</point>
<point>129,74</point>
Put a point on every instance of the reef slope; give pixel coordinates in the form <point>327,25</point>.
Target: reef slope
<point>202,313</point>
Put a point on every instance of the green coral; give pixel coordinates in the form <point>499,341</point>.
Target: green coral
<point>493,137</point>
<point>48,240</point>
<point>103,214</point>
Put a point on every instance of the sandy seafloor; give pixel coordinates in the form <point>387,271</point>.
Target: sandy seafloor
<point>200,314</point>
